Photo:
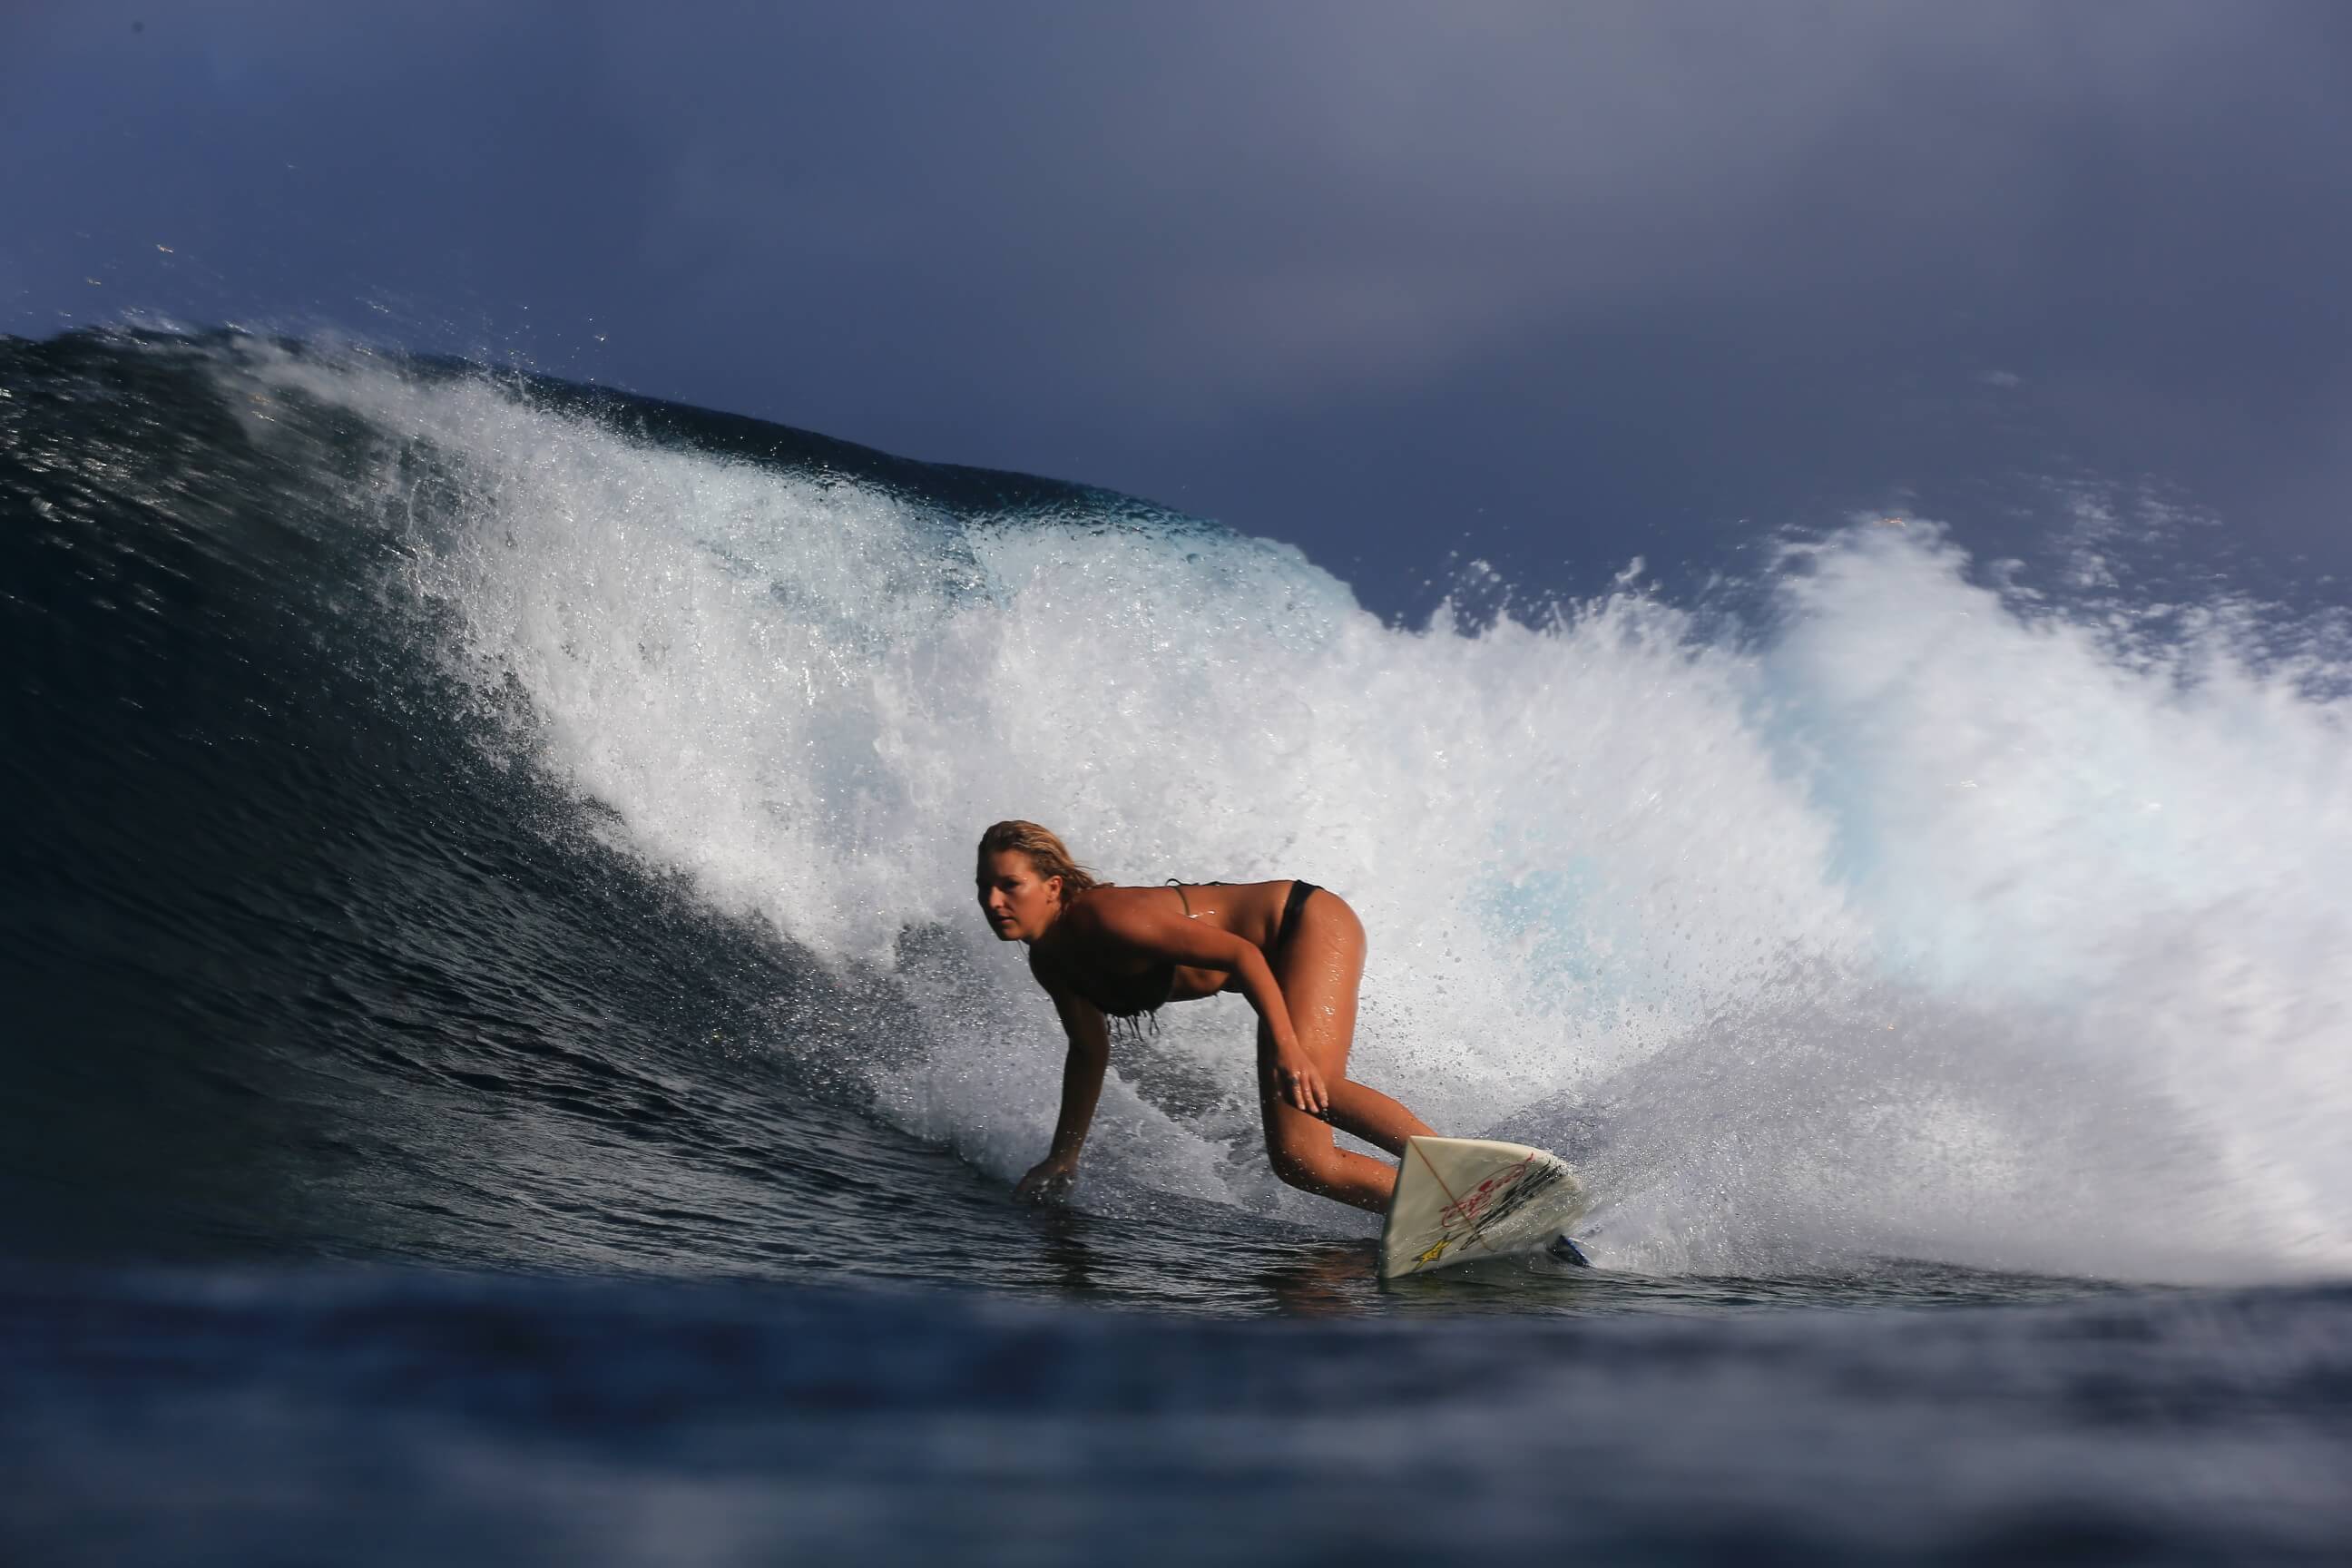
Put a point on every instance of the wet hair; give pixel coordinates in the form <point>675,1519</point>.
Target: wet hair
<point>1045,850</point>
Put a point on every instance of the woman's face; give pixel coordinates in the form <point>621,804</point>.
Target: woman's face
<point>1019,903</point>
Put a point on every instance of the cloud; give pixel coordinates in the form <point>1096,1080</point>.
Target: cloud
<point>1075,238</point>
<point>1304,201</point>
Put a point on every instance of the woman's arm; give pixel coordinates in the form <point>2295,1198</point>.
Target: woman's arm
<point>1168,936</point>
<point>1082,1077</point>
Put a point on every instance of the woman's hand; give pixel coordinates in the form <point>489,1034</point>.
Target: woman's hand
<point>1048,1181</point>
<point>1298,1083</point>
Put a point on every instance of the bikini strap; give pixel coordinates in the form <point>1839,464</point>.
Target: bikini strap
<point>1181,898</point>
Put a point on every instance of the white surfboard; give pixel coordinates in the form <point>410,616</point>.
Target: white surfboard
<point>1458,1199</point>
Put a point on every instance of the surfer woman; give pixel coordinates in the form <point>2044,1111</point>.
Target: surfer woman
<point>1295,950</point>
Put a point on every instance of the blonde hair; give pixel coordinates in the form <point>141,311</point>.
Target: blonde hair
<point>1045,850</point>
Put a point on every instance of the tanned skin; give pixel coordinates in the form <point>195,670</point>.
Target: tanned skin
<point>1105,940</point>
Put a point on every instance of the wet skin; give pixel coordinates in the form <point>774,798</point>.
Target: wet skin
<point>1115,942</point>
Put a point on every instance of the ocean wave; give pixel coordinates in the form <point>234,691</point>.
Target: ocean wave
<point>1906,912</point>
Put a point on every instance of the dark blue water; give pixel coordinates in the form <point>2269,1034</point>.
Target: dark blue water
<point>399,1161</point>
<point>242,1416</point>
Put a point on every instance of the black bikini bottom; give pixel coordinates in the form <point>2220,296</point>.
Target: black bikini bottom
<point>1299,893</point>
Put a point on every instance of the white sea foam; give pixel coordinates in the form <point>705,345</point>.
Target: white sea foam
<point>1937,921</point>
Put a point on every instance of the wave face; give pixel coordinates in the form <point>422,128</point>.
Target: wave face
<point>468,818</point>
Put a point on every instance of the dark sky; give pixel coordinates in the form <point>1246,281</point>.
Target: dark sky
<point>1547,283</point>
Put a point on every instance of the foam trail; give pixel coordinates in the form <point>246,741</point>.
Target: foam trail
<point>1933,923</point>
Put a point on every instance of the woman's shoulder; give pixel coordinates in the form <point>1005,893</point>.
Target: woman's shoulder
<point>1104,896</point>
<point>1106,907</point>
<point>1082,915</point>
<point>1071,938</point>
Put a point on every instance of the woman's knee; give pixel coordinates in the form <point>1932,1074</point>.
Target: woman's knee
<point>1307,1162</point>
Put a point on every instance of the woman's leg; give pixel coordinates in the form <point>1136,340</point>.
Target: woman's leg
<point>1318,970</point>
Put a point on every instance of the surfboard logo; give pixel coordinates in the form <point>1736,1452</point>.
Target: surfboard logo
<point>1476,1202</point>
<point>1456,1198</point>
<point>1499,1196</point>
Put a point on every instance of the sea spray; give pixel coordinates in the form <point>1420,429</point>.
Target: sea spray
<point>1921,918</point>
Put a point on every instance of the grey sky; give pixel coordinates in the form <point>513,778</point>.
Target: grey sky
<point>1547,283</point>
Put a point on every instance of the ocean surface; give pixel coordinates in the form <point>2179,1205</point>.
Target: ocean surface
<point>503,1063</point>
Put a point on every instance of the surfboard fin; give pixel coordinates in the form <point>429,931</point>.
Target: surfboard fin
<point>1564,1250</point>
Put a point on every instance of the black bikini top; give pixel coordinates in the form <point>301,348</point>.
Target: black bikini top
<point>1151,989</point>
<point>1155,987</point>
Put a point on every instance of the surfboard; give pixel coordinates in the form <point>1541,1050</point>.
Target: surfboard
<point>1459,1199</point>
